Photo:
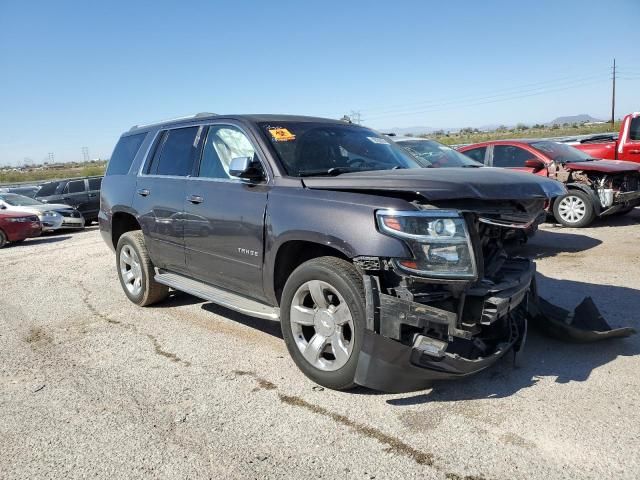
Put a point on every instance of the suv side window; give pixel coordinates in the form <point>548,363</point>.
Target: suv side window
<point>224,143</point>
<point>95,183</point>
<point>175,153</point>
<point>124,153</point>
<point>509,156</point>
<point>476,154</point>
<point>75,186</point>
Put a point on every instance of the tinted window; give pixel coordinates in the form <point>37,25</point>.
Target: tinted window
<point>634,129</point>
<point>224,143</point>
<point>124,153</point>
<point>77,186</point>
<point>94,183</point>
<point>175,153</point>
<point>510,156</point>
<point>476,153</point>
<point>561,152</point>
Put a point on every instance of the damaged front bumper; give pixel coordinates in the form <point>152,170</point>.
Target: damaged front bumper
<point>387,364</point>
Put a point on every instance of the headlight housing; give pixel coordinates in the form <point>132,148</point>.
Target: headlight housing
<point>20,219</point>
<point>438,239</point>
<point>50,213</point>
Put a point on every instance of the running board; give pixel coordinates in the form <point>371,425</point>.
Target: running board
<point>217,295</point>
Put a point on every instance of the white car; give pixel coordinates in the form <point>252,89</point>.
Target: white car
<point>53,216</point>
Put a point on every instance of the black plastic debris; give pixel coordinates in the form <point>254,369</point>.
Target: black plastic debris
<point>585,324</point>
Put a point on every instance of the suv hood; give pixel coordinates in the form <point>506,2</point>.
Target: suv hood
<point>484,183</point>
<point>608,166</point>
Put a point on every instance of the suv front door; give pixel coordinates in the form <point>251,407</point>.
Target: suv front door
<point>224,216</point>
<point>160,196</point>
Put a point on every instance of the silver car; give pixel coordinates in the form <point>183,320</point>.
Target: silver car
<point>53,216</point>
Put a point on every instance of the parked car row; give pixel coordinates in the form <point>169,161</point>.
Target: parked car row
<point>83,194</point>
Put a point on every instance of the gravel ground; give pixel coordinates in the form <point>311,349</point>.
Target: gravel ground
<point>93,386</point>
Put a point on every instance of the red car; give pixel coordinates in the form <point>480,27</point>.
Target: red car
<point>624,146</point>
<point>17,226</point>
<point>596,187</point>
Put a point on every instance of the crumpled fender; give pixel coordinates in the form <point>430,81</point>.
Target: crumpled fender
<point>584,325</point>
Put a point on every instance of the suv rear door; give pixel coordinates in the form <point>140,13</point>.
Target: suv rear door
<point>94,197</point>
<point>224,216</point>
<point>160,195</point>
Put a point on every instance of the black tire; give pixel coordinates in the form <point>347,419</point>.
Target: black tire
<point>3,239</point>
<point>151,291</point>
<point>345,279</point>
<point>19,241</point>
<point>584,219</point>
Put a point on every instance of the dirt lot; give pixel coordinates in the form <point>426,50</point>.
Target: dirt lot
<point>93,386</point>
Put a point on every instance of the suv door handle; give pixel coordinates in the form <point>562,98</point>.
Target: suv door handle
<point>195,199</point>
<point>143,192</point>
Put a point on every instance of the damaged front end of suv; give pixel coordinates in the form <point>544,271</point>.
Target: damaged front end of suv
<point>462,300</point>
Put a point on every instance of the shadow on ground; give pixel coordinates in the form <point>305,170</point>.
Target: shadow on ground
<point>549,243</point>
<point>548,357</point>
<point>42,240</point>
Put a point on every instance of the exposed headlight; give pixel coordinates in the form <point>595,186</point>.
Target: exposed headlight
<point>50,213</point>
<point>438,239</point>
<point>19,219</point>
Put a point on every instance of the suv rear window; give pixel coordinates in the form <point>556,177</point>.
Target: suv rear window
<point>175,154</point>
<point>124,153</point>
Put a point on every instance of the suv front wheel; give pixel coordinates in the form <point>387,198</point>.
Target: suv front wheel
<point>136,271</point>
<point>323,320</point>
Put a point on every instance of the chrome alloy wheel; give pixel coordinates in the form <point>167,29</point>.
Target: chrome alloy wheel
<point>572,209</point>
<point>322,325</point>
<point>130,270</point>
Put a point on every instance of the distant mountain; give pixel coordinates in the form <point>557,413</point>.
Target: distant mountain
<point>408,130</point>
<point>583,117</point>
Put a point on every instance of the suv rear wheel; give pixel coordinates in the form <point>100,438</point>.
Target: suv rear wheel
<point>323,320</point>
<point>136,272</point>
<point>574,209</point>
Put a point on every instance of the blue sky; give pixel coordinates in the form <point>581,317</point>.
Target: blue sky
<point>77,74</point>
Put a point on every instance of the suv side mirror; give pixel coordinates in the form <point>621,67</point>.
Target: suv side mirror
<point>534,163</point>
<point>245,167</point>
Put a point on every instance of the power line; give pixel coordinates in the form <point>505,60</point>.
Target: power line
<point>613,94</point>
<point>491,94</point>
<point>494,100</point>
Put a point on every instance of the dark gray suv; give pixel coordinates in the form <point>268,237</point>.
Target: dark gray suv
<point>382,273</point>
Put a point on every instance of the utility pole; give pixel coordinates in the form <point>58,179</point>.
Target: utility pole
<point>613,94</point>
<point>50,155</point>
<point>356,117</point>
<point>85,153</point>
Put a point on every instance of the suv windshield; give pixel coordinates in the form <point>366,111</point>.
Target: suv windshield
<point>561,152</point>
<point>18,200</point>
<point>310,148</point>
<point>434,154</point>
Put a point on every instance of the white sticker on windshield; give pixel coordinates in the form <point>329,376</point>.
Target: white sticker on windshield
<point>380,141</point>
<point>442,147</point>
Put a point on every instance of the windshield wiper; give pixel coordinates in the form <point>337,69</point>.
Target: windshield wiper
<point>471,166</point>
<point>333,171</point>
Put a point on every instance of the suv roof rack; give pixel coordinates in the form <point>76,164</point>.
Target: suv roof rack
<point>187,117</point>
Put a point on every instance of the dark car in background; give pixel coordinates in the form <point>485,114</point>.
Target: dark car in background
<point>81,193</point>
<point>596,188</point>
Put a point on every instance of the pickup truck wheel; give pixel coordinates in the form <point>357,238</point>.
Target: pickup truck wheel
<point>136,272</point>
<point>323,320</point>
<point>574,209</point>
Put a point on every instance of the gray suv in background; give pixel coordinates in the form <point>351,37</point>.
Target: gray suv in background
<point>382,273</point>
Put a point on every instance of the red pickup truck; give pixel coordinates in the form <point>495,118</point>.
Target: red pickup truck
<point>624,146</point>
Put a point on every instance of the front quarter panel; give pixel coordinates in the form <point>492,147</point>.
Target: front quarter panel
<point>340,220</point>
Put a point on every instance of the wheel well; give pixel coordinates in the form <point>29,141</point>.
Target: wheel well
<point>294,253</point>
<point>122,223</point>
